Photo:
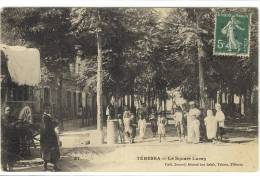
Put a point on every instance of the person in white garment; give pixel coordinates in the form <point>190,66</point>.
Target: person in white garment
<point>193,124</point>
<point>142,127</point>
<point>211,125</point>
<point>220,117</point>
<point>121,130</point>
<point>127,124</point>
<point>161,123</point>
<point>178,118</point>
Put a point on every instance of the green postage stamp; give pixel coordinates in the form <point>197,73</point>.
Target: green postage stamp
<point>232,35</point>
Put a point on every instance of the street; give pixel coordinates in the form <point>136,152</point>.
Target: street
<point>150,155</point>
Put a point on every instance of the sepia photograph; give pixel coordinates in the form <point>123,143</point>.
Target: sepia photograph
<point>127,89</point>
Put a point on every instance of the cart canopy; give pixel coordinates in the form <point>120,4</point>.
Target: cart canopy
<point>23,64</point>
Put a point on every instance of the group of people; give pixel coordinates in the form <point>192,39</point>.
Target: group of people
<point>190,124</point>
<point>158,125</point>
<point>128,126</point>
<point>10,140</point>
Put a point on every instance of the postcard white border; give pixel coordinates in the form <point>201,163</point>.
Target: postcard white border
<point>139,3</point>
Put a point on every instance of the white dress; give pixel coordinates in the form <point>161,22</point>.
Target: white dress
<point>211,126</point>
<point>193,125</point>
<point>178,117</point>
<point>220,117</point>
<point>126,121</point>
<point>161,126</point>
<point>142,127</point>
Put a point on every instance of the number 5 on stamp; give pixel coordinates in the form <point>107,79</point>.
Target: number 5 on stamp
<point>232,35</point>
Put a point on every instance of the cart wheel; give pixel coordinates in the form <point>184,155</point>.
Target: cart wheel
<point>26,114</point>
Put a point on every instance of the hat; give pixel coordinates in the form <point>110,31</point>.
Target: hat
<point>46,114</point>
<point>191,103</point>
<point>7,108</point>
<point>217,105</point>
<point>209,112</point>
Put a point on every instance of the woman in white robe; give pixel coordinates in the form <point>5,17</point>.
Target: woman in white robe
<point>142,127</point>
<point>211,125</point>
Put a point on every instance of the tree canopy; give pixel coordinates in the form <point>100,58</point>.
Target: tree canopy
<point>143,51</point>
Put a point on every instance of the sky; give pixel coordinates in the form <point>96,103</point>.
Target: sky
<point>163,11</point>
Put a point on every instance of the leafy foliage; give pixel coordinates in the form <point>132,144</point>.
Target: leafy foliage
<point>44,28</point>
<point>143,51</point>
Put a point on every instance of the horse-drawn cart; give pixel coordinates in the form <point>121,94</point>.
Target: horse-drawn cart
<point>20,73</point>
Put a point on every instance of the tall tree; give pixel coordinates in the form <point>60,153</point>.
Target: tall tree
<point>110,28</point>
<point>186,46</point>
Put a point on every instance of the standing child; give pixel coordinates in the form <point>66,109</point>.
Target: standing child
<point>127,124</point>
<point>184,121</point>
<point>121,130</point>
<point>178,117</point>
<point>211,125</point>
<point>193,124</point>
<point>142,127</point>
<point>220,117</point>
<point>153,124</point>
<point>161,127</point>
<point>133,126</point>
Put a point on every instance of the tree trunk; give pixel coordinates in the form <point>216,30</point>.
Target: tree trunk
<point>201,55</point>
<point>60,101</point>
<point>165,107</point>
<point>117,105</point>
<point>123,100</point>
<point>202,98</point>
<point>128,100</point>
<point>158,100</point>
<point>160,104</point>
<point>247,103</point>
<point>99,83</point>
<point>132,100</point>
<point>242,105</point>
<point>149,97</point>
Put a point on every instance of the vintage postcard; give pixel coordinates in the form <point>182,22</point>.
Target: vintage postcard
<point>129,89</point>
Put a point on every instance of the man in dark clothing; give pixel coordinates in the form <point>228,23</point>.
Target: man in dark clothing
<point>49,141</point>
<point>133,125</point>
<point>9,141</point>
<point>153,121</point>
